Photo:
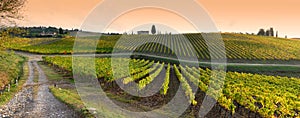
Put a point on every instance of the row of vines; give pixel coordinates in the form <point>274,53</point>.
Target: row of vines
<point>269,96</point>
<point>237,46</point>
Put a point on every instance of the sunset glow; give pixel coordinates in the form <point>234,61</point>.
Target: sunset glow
<point>229,16</point>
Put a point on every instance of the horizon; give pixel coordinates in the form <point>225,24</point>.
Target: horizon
<point>136,32</point>
<point>229,16</point>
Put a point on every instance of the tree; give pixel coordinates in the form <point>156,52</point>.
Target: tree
<point>153,30</point>
<point>271,32</point>
<point>268,33</point>
<point>60,31</point>
<point>10,11</point>
<point>7,33</point>
<point>261,32</point>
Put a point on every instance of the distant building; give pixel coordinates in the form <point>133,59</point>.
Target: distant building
<point>48,34</point>
<point>142,32</point>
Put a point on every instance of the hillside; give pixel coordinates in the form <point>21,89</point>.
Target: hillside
<point>238,46</point>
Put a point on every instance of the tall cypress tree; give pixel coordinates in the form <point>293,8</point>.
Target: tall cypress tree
<point>271,32</point>
<point>153,29</point>
<point>268,33</point>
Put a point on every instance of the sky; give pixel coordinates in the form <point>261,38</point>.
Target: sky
<point>228,15</point>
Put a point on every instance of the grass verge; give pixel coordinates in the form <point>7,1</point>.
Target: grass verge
<point>7,96</point>
<point>67,96</point>
<point>72,99</point>
<point>285,71</point>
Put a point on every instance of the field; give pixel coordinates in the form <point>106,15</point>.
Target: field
<point>63,46</point>
<point>239,47</point>
<point>270,96</point>
<point>245,91</point>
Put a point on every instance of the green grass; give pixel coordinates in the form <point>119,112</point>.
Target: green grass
<point>63,46</point>
<point>7,96</point>
<point>72,99</point>
<point>288,71</point>
<point>67,96</point>
<point>51,74</point>
<point>11,68</point>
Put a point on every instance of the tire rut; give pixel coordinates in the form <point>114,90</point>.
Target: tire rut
<point>45,105</point>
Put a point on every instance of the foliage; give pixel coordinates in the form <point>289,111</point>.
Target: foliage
<point>237,46</point>
<point>10,10</point>
<point>63,46</point>
<point>153,29</point>
<point>270,96</point>
<point>185,85</point>
<point>261,32</point>
<point>7,96</point>
<point>72,99</point>
<point>8,33</point>
<point>165,88</point>
<point>144,82</point>
<point>141,74</point>
<point>11,68</point>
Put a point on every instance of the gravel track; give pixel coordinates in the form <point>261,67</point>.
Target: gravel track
<point>36,104</point>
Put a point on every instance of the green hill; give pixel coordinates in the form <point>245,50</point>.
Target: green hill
<point>238,46</point>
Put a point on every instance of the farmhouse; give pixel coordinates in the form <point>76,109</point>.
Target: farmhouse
<point>142,32</point>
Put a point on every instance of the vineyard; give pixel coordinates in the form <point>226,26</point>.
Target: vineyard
<point>237,46</point>
<point>64,46</point>
<point>270,96</point>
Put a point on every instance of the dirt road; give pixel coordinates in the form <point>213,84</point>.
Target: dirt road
<point>35,100</point>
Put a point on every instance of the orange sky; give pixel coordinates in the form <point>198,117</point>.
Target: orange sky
<point>229,15</point>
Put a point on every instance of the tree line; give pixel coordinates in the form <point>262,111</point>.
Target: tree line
<point>35,32</point>
<point>268,32</point>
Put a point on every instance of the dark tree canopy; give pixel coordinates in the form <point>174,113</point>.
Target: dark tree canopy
<point>60,31</point>
<point>271,32</point>
<point>261,32</point>
<point>10,11</point>
<point>268,33</point>
<point>153,30</point>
